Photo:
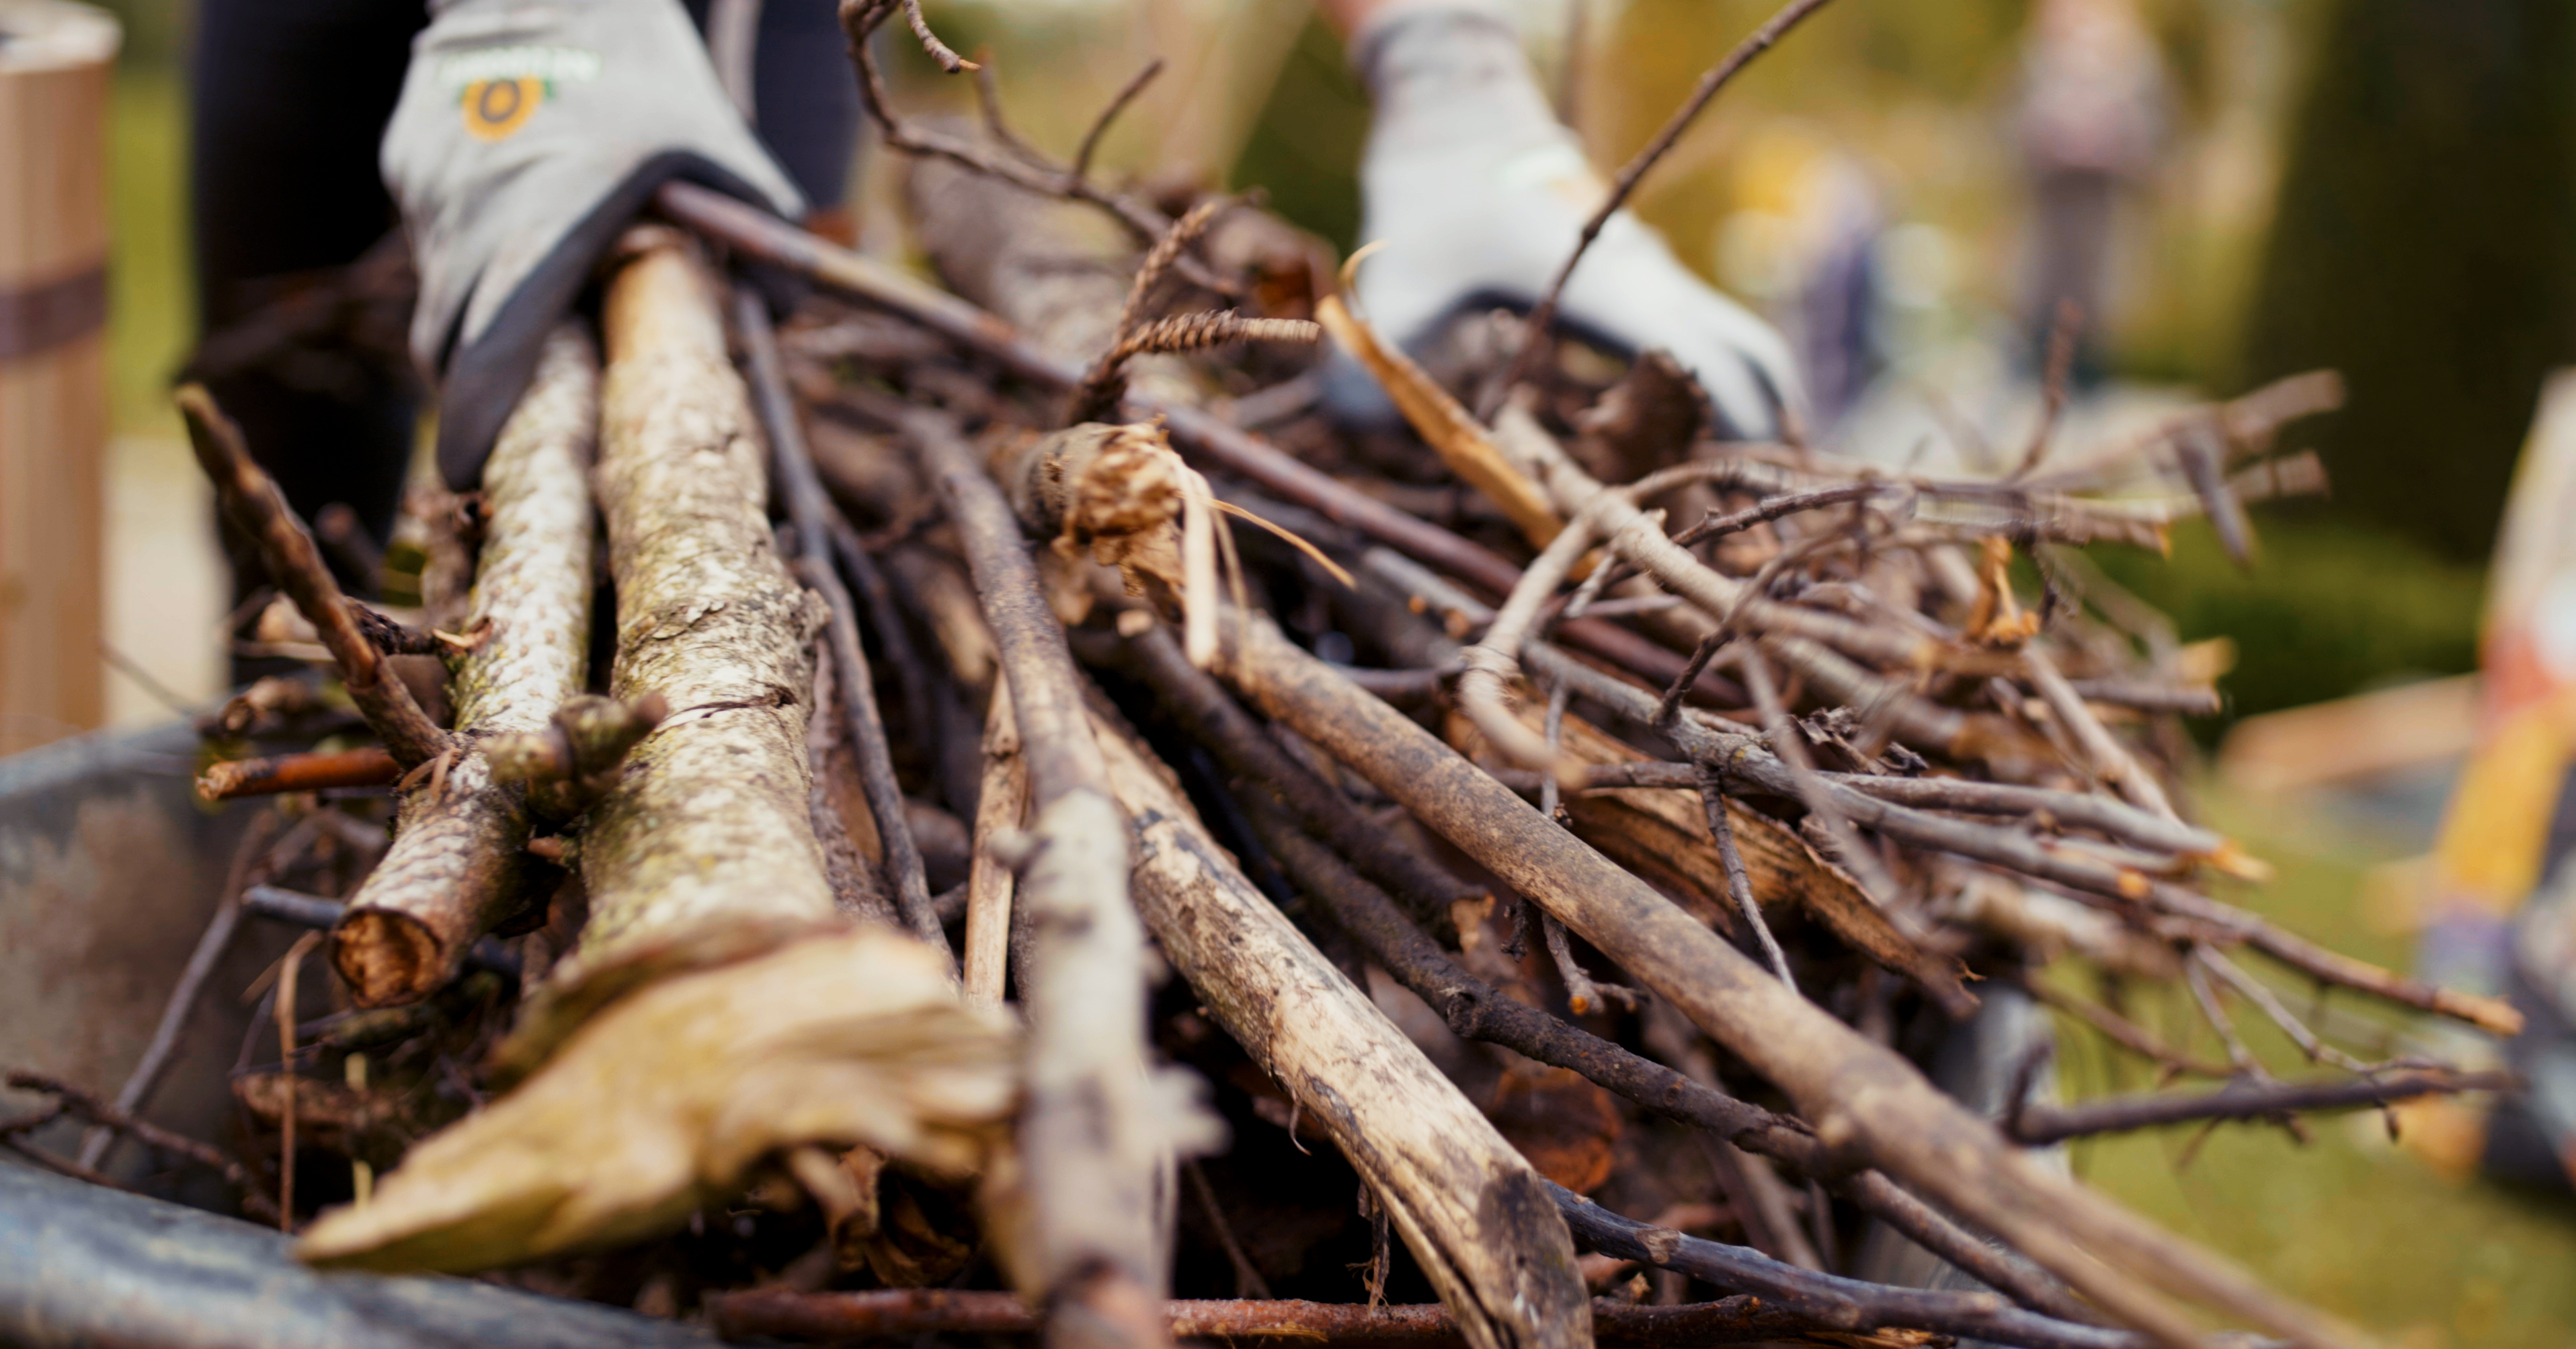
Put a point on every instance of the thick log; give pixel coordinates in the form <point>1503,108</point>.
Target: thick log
<point>1469,1207</point>
<point>457,864</point>
<point>707,827</point>
<point>1864,1100</point>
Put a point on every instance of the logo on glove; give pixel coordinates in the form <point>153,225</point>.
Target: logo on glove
<point>500,88</point>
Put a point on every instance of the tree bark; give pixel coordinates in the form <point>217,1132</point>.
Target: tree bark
<point>1467,1205</point>
<point>457,863</point>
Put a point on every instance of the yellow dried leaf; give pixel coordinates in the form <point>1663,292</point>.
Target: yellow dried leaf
<point>661,1102</point>
<point>1437,418</point>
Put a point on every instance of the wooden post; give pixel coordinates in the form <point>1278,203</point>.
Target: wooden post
<point>54,65</point>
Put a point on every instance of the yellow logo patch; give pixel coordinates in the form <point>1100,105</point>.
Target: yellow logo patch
<point>497,89</point>
<point>496,109</point>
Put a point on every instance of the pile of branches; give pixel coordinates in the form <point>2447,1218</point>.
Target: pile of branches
<point>988,885</point>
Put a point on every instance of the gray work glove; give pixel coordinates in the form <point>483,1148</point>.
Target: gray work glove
<point>529,133</point>
<point>1478,195</point>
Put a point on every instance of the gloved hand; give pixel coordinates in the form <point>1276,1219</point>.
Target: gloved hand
<point>528,134</point>
<point>1479,194</point>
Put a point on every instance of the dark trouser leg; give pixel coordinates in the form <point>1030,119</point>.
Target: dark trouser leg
<point>290,99</point>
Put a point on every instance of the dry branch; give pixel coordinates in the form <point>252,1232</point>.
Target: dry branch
<point>2039,1125</point>
<point>1843,1304</point>
<point>1092,1133</point>
<point>708,619</point>
<point>1467,1205</point>
<point>458,863</point>
<point>1542,317</point>
<point>1864,1100</point>
<point>901,1313</point>
<point>258,510</point>
<point>812,511</point>
<point>319,770</point>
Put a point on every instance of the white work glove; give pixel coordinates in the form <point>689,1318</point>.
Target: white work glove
<point>1478,195</point>
<point>528,135</point>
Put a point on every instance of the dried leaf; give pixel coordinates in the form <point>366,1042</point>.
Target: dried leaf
<point>662,1102</point>
<point>1461,443</point>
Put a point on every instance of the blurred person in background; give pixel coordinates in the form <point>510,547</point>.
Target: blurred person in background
<point>2090,120</point>
<point>516,140</point>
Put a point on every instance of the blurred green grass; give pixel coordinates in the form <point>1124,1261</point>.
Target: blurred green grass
<point>2348,1222</point>
<point>2329,608</point>
<point>151,296</point>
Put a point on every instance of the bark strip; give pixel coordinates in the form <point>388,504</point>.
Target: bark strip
<point>1468,1206</point>
<point>457,864</point>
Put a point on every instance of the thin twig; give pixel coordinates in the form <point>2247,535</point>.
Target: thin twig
<point>251,499</point>
<point>860,18</point>
<point>2040,1125</point>
<point>1535,332</point>
<point>2062,328</point>
<point>289,969</point>
<point>792,465</point>
<point>79,1103</point>
<point>1739,883</point>
<point>251,862</point>
<point>1855,852</point>
<point>1247,1277</point>
<point>2317,1050</point>
<point>1135,85</point>
<point>1847,1304</point>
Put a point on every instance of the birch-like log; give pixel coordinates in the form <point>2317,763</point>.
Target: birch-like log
<point>1863,1100</point>
<point>1468,1206</point>
<point>706,830</point>
<point>457,862</point>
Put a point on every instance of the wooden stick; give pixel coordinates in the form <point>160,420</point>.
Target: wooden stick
<point>122,1122</point>
<point>1863,1098</point>
<point>1543,317</point>
<point>1845,1304</point>
<point>1218,442</point>
<point>2040,1125</point>
<point>710,620</point>
<point>812,510</point>
<point>316,771</point>
<point>904,1313</point>
<point>1091,1132</point>
<point>259,510</point>
<point>1467,1205</point>
<point>1001,810</point>
<point>458,865</point>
